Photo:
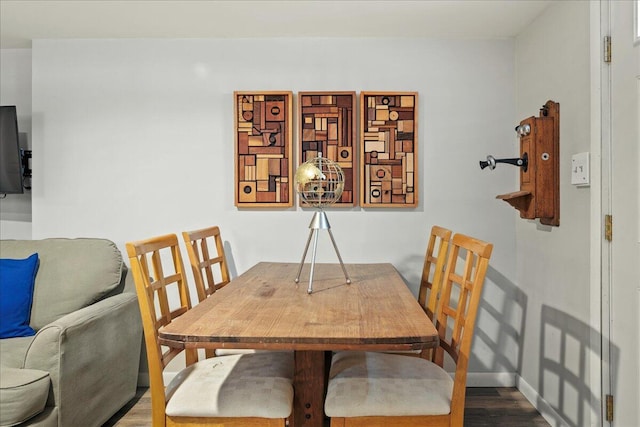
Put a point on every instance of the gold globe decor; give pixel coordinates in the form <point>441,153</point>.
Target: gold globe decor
<point>319,182</point>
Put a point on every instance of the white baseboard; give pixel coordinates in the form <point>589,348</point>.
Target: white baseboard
<point>168,376</point>
<point>546,410</point>
<point>491,379</point>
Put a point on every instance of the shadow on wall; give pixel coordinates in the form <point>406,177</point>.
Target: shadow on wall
<point>500,326</point>
<point>408,272</point>
<point>567,345</point>
<point>231,263</point>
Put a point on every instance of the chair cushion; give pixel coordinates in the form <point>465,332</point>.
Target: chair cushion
<point>242,385</point>
<point>380,384</point>
<point>16,294</point>
<point>23,394</point>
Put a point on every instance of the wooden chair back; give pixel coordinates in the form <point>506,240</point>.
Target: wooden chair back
<point>458,308</point>
<point>350,404</point>
<point>208,262</point>
<point>155,278</point>
<point>433,269</point>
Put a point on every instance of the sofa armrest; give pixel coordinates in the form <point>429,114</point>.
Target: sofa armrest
<point>92,356</point>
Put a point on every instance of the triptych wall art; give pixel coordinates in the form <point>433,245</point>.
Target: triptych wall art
<point>380,166</point>
<point>264,155</point>
<point>327,124</point>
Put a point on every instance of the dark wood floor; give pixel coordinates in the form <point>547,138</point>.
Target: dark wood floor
<point>490,407</point>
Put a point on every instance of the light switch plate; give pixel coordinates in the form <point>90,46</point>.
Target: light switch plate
<point>580,169</point>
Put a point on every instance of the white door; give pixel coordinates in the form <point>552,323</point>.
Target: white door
<point>624,204</point>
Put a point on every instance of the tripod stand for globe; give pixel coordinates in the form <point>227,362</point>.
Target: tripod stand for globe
<point>320,182</point>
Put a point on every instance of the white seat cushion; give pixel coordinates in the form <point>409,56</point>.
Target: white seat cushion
<point>242,385</point>
<point>380,384</point>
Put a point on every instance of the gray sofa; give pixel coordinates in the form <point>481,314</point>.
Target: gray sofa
<point>81,366</point>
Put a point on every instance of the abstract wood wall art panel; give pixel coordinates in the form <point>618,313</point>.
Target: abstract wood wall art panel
<point>327,125</point>
<point>389,149</point>
<point>263,149</point>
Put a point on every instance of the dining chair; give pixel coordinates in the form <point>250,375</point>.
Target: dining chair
<point>210,271</point>
<point>432,274</point>
<point>433,268</point>
<point>208,262</point>
<point>380,389</point>
<point>237,390</point>
<point>431,280</point>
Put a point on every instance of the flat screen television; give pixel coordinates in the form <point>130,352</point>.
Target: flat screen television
<point>10,155</point>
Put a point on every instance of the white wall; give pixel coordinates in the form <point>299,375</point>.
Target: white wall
<point>15,89</point>
<point>552,62</point>
<point>136,139</point>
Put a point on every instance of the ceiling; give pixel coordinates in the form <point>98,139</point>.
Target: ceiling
<point>22,21</point>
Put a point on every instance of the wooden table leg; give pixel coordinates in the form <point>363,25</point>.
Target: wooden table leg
<point>309,385</point>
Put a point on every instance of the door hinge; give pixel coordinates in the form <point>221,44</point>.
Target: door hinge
<point>607,49</point>
<point>608,227</point>
<point>609,407</point>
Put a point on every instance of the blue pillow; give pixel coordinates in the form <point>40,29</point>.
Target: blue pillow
<point>17,277</point>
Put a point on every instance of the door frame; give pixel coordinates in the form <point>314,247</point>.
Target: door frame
<point>600,253</point>
<point>601,266</point>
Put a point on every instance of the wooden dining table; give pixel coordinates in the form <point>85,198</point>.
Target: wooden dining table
<point>264,308</point>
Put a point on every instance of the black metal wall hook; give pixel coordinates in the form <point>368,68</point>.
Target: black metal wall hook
<point>492,161</point>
